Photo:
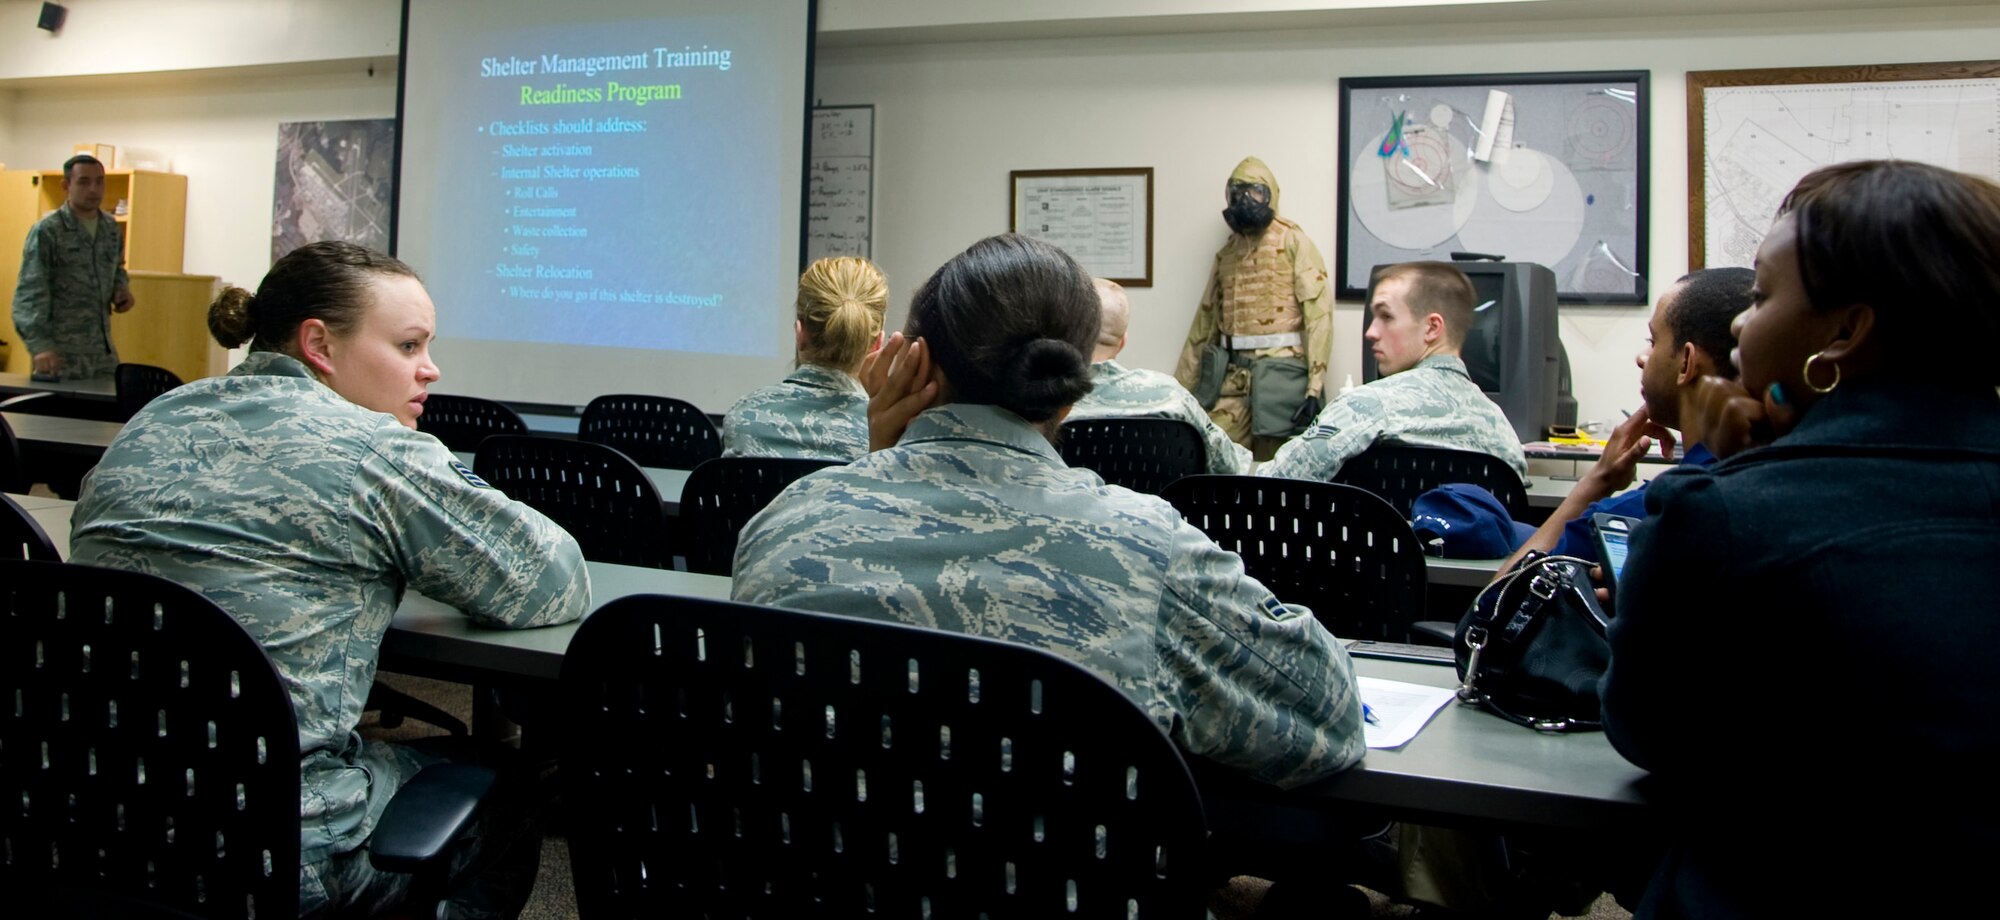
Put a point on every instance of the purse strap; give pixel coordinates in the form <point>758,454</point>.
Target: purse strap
<point>1478,634</point>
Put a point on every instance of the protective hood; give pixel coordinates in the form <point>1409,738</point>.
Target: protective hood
<point>1254,170</point>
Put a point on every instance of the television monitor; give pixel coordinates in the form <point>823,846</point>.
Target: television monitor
<point>1514,351</point>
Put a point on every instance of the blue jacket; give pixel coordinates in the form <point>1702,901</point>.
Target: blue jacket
<point>1803,657</point>
<point>1577,539</point>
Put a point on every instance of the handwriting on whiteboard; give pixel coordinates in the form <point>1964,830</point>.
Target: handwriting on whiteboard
<point>840,182</point>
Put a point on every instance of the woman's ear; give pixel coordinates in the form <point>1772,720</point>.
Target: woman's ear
<point>1853,333</point>
<point>316,345</point>
<point>799,334</point>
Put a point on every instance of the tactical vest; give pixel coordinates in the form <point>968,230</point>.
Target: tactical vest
<point>1256,285</point>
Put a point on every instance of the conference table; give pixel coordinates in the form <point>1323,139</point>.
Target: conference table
<point>1466,767</point>
<point>100,389</point>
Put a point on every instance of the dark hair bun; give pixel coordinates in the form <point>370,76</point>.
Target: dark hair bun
<point>229,317</point>
<point>1049,374</point>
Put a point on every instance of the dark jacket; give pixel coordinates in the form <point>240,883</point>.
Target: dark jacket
<point>1804,655</point>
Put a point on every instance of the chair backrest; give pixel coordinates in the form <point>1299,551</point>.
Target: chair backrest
<point>595,492</point>
<point>730,760</point>
<point>147,748</point>
<point>21,537</point>
<point>657,431</point>
<point>13,474</point>
<point>462,422</point>
<point>722,495</point>
<point>1334,548</point>
<point>1141,454</point>
<point>1399,473</point>
<point>139,384</point>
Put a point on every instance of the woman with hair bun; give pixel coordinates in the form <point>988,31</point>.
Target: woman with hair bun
<point>297,495</point>
<point>968,520</point>
<point>820,410</point>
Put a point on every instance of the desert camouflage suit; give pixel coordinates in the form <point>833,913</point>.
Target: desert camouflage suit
<point>1273,282</point>
<point>305,517</point>
<point>1117,391</point>
<point>972,523</point>
<point>1434,404</point>
<point>63,301</point>
<point>817,413</point>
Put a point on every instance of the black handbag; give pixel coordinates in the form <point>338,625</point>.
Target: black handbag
<point>1532,647</point>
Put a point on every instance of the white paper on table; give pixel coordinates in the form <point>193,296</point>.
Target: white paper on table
<point>1496,128</point>
<point>1401,709</point>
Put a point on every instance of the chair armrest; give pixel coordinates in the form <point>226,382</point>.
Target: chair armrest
<point>427,814</point>
<point>1434,632</point>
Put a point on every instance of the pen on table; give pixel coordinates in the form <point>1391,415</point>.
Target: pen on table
<point>1368,715</point>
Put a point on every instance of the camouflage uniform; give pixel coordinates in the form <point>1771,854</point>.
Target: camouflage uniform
<point>972,523</point>
<point>1120,392</point>
<point>1272,283</point>
<point>817,413</point>
<point>305,516</point>
<point>1434,404</point>
<point>63,302</point>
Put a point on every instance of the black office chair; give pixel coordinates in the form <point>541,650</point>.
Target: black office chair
<point>1334,548</point>
<point>13,474</point>
<point>139,384</point>
<point>598,494</point>
<point>722,495</point>
<point>149,757</point>
<point>732,760</point>
<point>21,537</point>
<point>1141,454</point>
<point>462,422</point>
<point>657,431</point>
<point>1399,473</point>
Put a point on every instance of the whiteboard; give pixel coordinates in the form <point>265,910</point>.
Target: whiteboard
<point>1759,140</point>
<point>840,182</point>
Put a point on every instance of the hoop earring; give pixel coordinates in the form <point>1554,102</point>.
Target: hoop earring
<point>1807,375</point>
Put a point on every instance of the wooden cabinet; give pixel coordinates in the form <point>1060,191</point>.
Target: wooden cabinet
<point>155,225</point>
<point>169,327</point>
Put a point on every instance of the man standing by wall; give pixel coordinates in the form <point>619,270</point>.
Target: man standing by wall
<point>1256,355</point>
<point>72,270</point>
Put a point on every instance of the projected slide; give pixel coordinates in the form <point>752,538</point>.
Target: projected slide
<point>630,183</point>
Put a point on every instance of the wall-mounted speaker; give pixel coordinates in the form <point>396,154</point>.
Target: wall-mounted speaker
<point>53,15</point>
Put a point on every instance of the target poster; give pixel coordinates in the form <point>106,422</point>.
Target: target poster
<point>1546,168</point>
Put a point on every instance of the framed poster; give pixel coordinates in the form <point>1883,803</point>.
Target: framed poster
<point>1102,217</point>
<point>1752,134</point>
<point>1549,168</point>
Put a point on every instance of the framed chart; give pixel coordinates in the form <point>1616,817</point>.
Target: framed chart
<point>1102,217</point>
<point>1752,134</point>
<point>1549,168</point>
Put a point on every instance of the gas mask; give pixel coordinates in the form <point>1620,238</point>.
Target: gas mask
<point>1249,208</point>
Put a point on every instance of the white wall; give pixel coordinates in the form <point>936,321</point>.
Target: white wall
<point>140,36</point>
<point>220,131</point>
<point>953,118</point>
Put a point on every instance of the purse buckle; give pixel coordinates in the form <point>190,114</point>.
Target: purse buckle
<point>1475,639</point>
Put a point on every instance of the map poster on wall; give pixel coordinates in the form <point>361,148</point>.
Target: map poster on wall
<point>1752,134</point>
<point>333,183</point>
<point>1102,217</point>
<point>1548,168</point>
